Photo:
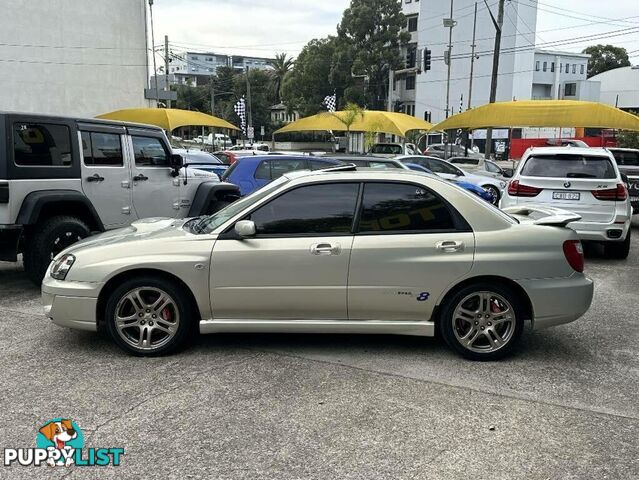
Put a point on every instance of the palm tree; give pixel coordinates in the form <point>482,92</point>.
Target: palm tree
<point>281,64</point>
<point>348,117</point>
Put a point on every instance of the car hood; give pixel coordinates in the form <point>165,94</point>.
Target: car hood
<point>145,229</point>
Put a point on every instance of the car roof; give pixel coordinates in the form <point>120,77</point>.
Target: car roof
<point>588,151</point>
<point>621,149</point>
<point>259,158</point>
<point>360,174</point>
<point>83,120</point>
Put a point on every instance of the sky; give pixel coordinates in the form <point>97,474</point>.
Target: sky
<point>263,27</point>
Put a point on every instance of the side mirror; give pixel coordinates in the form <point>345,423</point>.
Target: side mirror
<point>176,161</point>
<point>245,228</point>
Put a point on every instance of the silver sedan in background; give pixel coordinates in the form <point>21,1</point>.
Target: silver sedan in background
<point>346,251</point>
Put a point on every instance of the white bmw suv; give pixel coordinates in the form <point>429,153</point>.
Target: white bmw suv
<point>583,180</point>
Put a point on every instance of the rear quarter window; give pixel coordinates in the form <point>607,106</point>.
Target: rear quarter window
<point>42,145</point>
<point>569,166</point>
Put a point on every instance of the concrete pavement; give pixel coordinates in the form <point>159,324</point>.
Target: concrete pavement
<point>325,406</point>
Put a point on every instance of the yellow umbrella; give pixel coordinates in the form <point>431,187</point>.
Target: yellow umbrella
<point>369,121</point>
<point>542,113</point>
<point>167,118</point>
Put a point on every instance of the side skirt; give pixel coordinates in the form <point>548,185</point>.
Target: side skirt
<point>424,329</point>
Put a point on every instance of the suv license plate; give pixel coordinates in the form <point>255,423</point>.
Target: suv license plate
<point>566,195</point>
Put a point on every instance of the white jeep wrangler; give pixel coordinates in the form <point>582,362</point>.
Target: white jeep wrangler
<point>63,178</point>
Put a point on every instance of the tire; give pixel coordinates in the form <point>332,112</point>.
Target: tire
<point>456,326</point>
<point>495,191</point>
<point>618,250</point>
<point>150,330</point>
<point>48,239</point>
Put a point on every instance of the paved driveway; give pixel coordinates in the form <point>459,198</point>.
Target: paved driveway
<point>366,407</point>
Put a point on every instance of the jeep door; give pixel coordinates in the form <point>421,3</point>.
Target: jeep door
<point>296,265</point>
<point>156,193</point>
<point>410,245</point>
<point>106,176</point>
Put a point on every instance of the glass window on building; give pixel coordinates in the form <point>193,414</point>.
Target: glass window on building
<point>582,68</point>
<point>567,68</point>
<point>412,23</point>
<point>552,66</point>
<point>537,66</point>
<point>570,90</point>
<point>410,82</point>
<point>574,68</point>
<point>545,66</point>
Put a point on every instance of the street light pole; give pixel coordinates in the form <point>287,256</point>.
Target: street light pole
<point>155,69</point>
<point>451,24</point>
<point>166,69</point>
<point>472,59</point>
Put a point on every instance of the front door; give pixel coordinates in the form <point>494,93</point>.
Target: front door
<point>155,190</point>
<point>106,176</point>
<point>296,266</point>
<point>409,247</point>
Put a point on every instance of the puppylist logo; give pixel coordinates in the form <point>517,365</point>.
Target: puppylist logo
<point>60,442</point>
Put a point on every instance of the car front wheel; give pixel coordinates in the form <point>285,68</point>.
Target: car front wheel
<point>482,322</point>
<point>149,316</point>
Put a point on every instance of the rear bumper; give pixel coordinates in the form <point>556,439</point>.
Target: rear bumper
<point>556,301</point>
<point>603,232</point>
<point>71,304</point>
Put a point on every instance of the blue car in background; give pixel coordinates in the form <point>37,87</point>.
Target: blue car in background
<point>471,187</point>
<point>253,172</point>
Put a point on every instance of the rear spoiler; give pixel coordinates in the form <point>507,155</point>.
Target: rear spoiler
<point>543,215</point>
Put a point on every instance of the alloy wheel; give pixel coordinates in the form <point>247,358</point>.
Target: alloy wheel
<point>483,322</point>
<point>147,318</point>
<point>495,193</point>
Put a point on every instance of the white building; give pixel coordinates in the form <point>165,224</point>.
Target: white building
<point>562,76</point>
<point>424,94</point>
<point>73,57</point>
<point>197,67</point>
<point>620,87</point>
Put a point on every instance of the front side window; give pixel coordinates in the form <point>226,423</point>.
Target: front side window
<point>401,207</point>
<point>41,145</point>
<point>150,152</point>
<point>315,209</point>
<point>102,149</point>
<point>492,168</point>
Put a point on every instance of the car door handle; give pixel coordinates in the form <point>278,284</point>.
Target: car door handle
<point>140,178</point>
<point>449,246</point>
<point>325,249</point>
<point>95,178</point>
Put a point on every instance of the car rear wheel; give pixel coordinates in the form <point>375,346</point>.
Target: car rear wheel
<point>618,250</point>
<point>47,240</point>
<point>149,316</point>
<point>495,193</point>
<point>482,322</point>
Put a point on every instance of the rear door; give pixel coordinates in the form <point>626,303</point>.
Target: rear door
<point>409,246</point>
<point>568,181</point>
<point>106,174</point>
<point>156,193</point>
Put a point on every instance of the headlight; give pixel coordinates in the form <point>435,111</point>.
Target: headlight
<point>62,266</point>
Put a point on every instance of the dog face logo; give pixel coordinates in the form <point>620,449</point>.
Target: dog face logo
<point>60,434</point>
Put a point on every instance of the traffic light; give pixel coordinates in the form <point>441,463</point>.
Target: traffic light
<point>427,57</point>
<point>411,54</point>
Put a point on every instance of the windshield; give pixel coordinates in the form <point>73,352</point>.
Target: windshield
<point>209,223</point>
<point>569,166</point>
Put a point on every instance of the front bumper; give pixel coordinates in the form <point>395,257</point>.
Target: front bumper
<point>556,301</point>
<point>71,304</point>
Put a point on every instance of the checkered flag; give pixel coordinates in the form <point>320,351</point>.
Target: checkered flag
<point>240,110</point>
<point>331,102</point>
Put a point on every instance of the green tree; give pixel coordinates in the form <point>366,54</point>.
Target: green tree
<point>628,139</point>
<point>372,31</point>
<point>605,57</point>
<point>319,71</point>
<point>282,65</point>
<point>349,116</point>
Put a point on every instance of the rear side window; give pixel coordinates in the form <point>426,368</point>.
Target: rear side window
<point>383,165</point>
<point>401,207</point>
<point>274,169</point>
<point>437,166</point>
<point>387,149</point>
<point>628,159</point>
<point>465,161</point>
<point>314,209</point>
<point>569,166</point>
<point>102,149</point>
<point>41,145</point>
<point>320,165</point>
<point>150,152</point>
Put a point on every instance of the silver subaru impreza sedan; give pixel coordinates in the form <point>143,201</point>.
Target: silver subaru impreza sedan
<point>388,252</point>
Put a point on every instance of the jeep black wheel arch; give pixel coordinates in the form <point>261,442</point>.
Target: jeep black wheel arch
<point>209,193</point>
<point>38,205</point>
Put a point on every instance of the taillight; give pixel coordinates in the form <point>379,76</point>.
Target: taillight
<point>619,193</point>
<point>574,253</point>
<point>516,189</point>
